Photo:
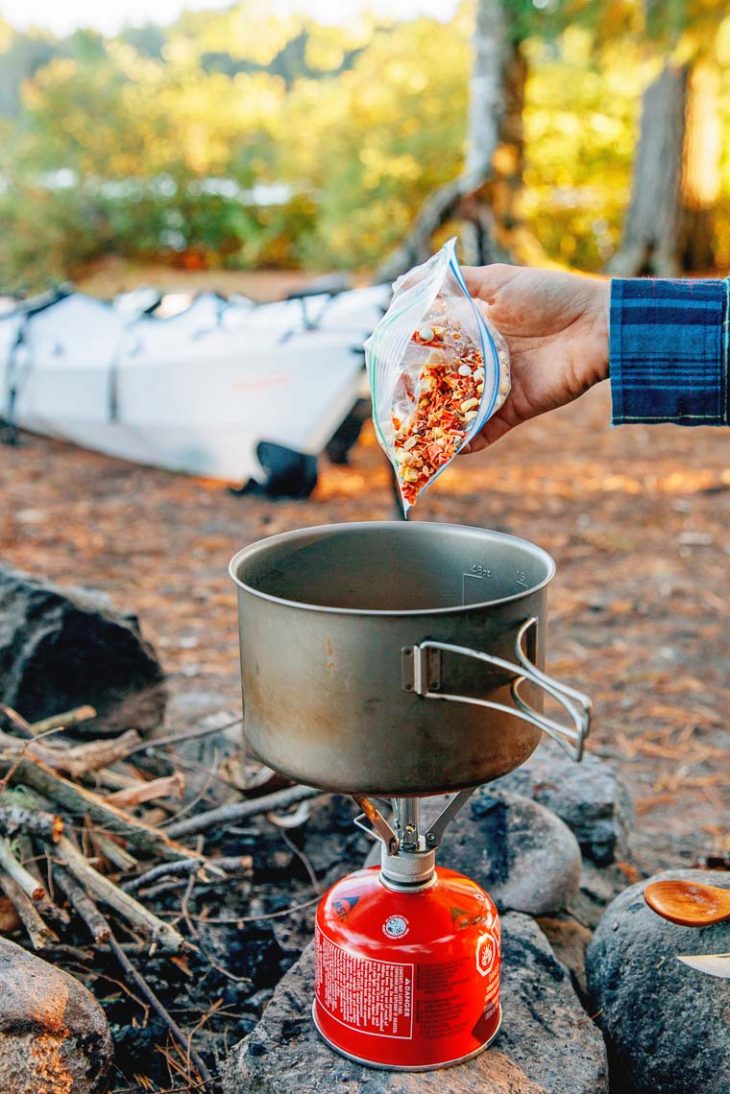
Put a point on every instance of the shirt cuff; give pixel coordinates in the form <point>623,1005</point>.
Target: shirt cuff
<point>668,351</point>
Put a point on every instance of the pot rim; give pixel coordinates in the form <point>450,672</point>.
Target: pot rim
<point>259,546</point>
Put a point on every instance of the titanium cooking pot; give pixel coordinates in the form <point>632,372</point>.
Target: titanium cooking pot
<point>351,633</point>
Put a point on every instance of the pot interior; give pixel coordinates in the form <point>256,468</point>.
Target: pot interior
<point>392,567</point>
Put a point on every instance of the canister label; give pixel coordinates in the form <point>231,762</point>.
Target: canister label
<point>369,996</point>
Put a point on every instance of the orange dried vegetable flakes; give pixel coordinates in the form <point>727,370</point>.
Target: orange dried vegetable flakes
<point>449,392</point>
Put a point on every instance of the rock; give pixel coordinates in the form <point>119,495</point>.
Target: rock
<point>54,1038</point>
<point>520,852</point>
<point>667,1026</point>
<point>598,887</point>
<point>546,1044</point>
<point>60,649</point>
<point>569,940</point>
<point>545,1029</point>
<point>589,797</point>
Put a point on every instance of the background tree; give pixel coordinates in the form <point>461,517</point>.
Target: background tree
<point>676,177</point>
<point>236,139</point>
<point>496,99</point>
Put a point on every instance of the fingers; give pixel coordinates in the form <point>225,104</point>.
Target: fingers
<point>495,428</point>
<point>486,281</point>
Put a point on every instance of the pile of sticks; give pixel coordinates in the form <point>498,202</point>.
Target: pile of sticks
<point>72,839</point>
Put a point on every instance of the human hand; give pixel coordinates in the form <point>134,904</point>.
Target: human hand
<point>556,328</point>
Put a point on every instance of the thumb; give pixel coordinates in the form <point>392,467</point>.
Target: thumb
<point>486,281</point>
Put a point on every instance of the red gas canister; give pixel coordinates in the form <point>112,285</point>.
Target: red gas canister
<point>407,979</point>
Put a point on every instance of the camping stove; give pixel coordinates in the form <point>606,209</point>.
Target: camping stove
<point>407,955</point>
<point>349,635</point>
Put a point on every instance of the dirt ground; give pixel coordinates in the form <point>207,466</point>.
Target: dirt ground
<point>636,519</point>
<point>111,275</point>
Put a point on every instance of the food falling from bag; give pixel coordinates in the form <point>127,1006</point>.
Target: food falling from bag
<point>438,370</point>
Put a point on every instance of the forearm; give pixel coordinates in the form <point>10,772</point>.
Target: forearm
<point>668,351</point>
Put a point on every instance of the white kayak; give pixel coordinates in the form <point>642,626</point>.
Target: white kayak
<point>199,392</point>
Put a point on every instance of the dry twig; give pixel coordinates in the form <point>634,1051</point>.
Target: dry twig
<point>218,867</point>
<point>79,801</point>
<point>112,852</point>
<point>80,902</point>
<point>238,811</point>
<point>126,906</point>
<point>168,786</point>
<point>22,877</point>
<point>24,728</point>
<point>65,720</point>
<point>76,761</point>
<point>40,934</point>
<point>15,818</point>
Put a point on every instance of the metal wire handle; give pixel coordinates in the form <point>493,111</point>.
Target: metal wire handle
<point>578,706</point>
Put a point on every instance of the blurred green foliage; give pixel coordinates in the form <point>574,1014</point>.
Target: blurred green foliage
<point>235,139</point>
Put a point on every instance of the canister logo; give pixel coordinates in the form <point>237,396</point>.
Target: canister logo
<point>395,926</point>
<point>486,954</point>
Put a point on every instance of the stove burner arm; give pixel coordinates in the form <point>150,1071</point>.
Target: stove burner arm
<point>437,829</point>
<point>408,835</point>
<point>424,680</point>
<point>383,831</point>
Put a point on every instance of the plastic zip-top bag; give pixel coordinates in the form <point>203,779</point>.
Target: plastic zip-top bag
<point>438,370</point>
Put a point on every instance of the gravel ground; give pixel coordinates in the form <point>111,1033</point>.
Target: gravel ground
<point>636,519</point>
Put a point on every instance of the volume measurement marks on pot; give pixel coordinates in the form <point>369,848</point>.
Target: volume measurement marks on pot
<point>472,589</point>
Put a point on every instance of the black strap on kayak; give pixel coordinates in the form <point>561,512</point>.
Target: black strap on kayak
<point>9,432</point>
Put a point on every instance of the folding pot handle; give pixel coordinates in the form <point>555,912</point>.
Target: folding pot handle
<point>422,675</point>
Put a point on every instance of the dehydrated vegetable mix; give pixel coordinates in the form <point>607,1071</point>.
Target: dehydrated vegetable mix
<point>438,370</point>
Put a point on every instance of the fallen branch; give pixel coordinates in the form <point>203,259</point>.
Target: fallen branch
<point>115,854</point>
<point>104,889</point>
<point>81,904</point>
<point>80,759</point>
<point>219,867</point>
<point>24,728</point>
<point>14,818</point>
<point>79,801</point>
<point>40,934</point>
<point>22,877</point>
<point>167,786</point>
<point>66,720</point>
<point>237,811</point>
<point>57,917</point>
<point>95,755</point>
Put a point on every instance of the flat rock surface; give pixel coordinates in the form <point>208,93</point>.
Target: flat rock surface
<point>667,1026</point>
<point>546,1045</point>
<point>526,858</point>
<point>54,1038</point>
<point>589,796</point>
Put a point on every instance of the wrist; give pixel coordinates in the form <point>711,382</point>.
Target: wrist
<point>598,313</point>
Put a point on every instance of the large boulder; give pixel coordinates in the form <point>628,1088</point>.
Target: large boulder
<point>589,796</point>
<point>60,648</point>
<point>526,858</point>
<point>54,1038</point>
<point>667,1026</point>
<point>546,1044</point>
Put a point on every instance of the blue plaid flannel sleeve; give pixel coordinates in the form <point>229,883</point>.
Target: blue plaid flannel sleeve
<point>668,351</point>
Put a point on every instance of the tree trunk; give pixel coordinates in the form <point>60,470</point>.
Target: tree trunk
<point>484,194</point>
<point>486,88</point>
<point>651,241</point>
<point>701,178</point>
